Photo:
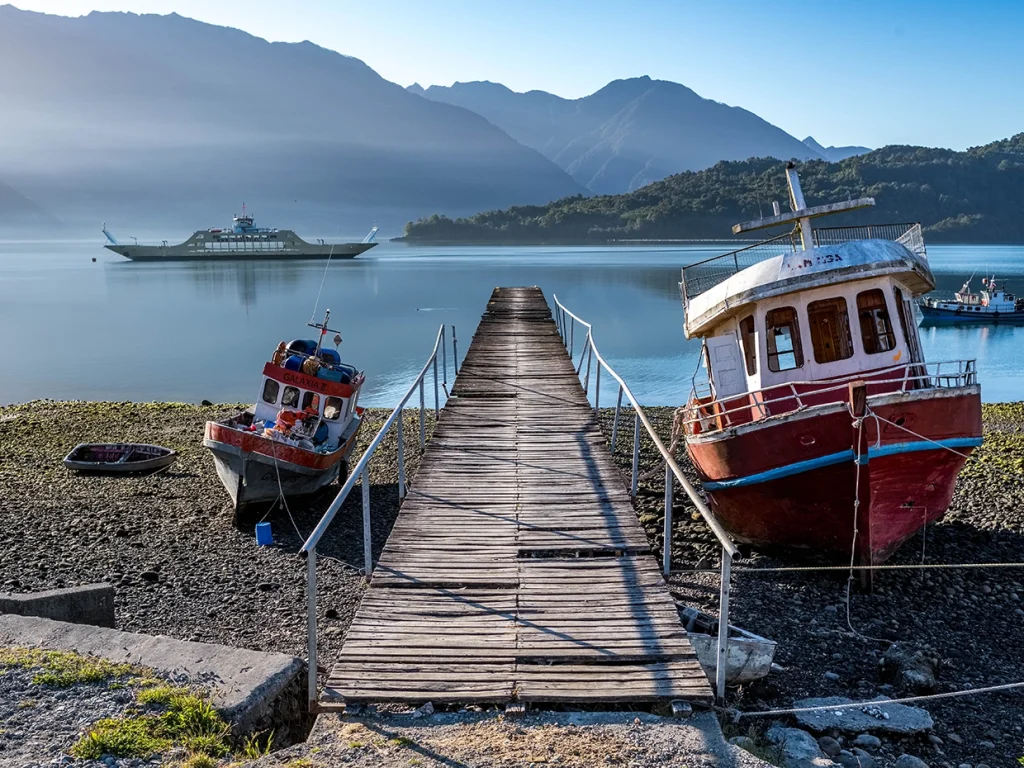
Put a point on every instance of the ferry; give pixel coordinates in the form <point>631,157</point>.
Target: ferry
<point>820,426</point>
<point>299,435</point>
<point>243,240</point>
<point>991,305</point>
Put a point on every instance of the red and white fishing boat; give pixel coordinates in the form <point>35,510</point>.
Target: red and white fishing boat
<point>298,436</point>
<point>814,368</point>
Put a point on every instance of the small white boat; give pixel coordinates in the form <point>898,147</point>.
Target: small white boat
<point>119,458</point>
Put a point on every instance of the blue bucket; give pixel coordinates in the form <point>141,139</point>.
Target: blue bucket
<point>264,538</point>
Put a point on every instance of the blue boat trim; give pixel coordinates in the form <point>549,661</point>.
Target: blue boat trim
<point>837,458</point>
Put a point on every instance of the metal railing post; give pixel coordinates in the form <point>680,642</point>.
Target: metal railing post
<point>666,556</point>
<point>455,352</point>
<point>597,392</point>
<point>367,534</point>
<point>423,418</point>
<point>401,457</point>
<point>615,423</point>
<point>437,394</point>
<point>572,337</point>
<point>444,357</point>
<point>636,457</point>
<point>590,356</point>
<point>311,627</point>
<point>723,627</point>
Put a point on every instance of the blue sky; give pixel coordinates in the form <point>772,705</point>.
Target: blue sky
<point>870,72</point>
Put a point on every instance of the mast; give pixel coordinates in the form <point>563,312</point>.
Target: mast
<point>801,215</point>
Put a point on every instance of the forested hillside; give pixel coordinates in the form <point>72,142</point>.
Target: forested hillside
<point>972,196</point>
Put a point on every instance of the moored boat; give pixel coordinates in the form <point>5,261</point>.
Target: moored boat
<point>243,240</point>
<point>990,305</point>
<point>821,426</point>
<point>119,458</point>
<point>298,436</point>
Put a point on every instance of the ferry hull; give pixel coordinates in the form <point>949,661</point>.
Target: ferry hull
<point>791,482</point>
<point>180,253</point>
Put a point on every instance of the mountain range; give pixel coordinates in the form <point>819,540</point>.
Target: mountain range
<point>631,132</point>
<point>166,124</point>
<point>971,196</point>
<point>144,118</point>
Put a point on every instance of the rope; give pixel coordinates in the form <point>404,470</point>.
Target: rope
<point>880,703</point>
<point>910,567</point>
<point>859,423</point>
<point>284,503</point>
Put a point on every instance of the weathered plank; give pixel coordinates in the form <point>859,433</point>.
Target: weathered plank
<point>517,568</point>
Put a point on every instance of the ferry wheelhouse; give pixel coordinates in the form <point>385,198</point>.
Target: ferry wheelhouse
<point>990,305</point>
<point>814,368</point>
<point>298,436</point>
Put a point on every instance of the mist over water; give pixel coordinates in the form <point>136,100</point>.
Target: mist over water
<point>118,330</point>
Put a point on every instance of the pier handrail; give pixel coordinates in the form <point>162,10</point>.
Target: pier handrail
<point>361,473</point>
<point>566,320</point>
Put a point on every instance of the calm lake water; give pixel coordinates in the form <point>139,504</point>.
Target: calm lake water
<point>117,330</point>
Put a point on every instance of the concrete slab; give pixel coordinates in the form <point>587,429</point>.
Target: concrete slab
<point>88,604</point>
<point>251,689</point>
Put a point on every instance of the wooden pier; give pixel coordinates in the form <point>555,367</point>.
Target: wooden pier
<point>517,569</point>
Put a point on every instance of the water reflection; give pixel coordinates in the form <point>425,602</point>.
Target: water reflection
<point>195,330</point>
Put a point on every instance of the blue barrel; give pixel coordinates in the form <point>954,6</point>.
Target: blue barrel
<point>264,538</point>
<point>330,356</point>
<point>293,363</point>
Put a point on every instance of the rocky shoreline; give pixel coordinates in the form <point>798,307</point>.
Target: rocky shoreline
<point>181,568</point>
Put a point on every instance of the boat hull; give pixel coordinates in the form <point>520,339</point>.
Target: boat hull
<point>255,469</point>
<point>940,316</point>
<point>791,481</point>
<point>181,253</point>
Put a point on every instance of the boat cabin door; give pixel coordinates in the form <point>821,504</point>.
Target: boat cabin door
<point>726,374</point>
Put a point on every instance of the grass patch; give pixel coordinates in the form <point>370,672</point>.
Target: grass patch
<point>254,746</point>
<point>181,717</point>
<point>60,669</point>
<point>121,737</point>
<point>401,741</point>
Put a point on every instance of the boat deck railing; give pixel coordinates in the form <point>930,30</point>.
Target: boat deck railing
<point>566,322</point>
<point>707,413</point>
<point>704,275</point>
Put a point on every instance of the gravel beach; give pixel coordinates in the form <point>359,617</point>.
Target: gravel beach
<point>181,568</point>
<point>167,541</point>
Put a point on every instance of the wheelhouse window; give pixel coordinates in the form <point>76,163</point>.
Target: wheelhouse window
<point>291,397</point>
<point>875,324</point>
<point>830,330</point>
<point>270,391</point>
<point>311,400</point>
<point>332,408</point>
<point>784,352</point>
<point>749,341</point>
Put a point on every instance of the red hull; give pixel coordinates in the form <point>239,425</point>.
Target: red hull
<point>790,481</point>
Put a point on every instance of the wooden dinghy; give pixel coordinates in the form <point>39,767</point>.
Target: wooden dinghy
<point>119,458</point>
